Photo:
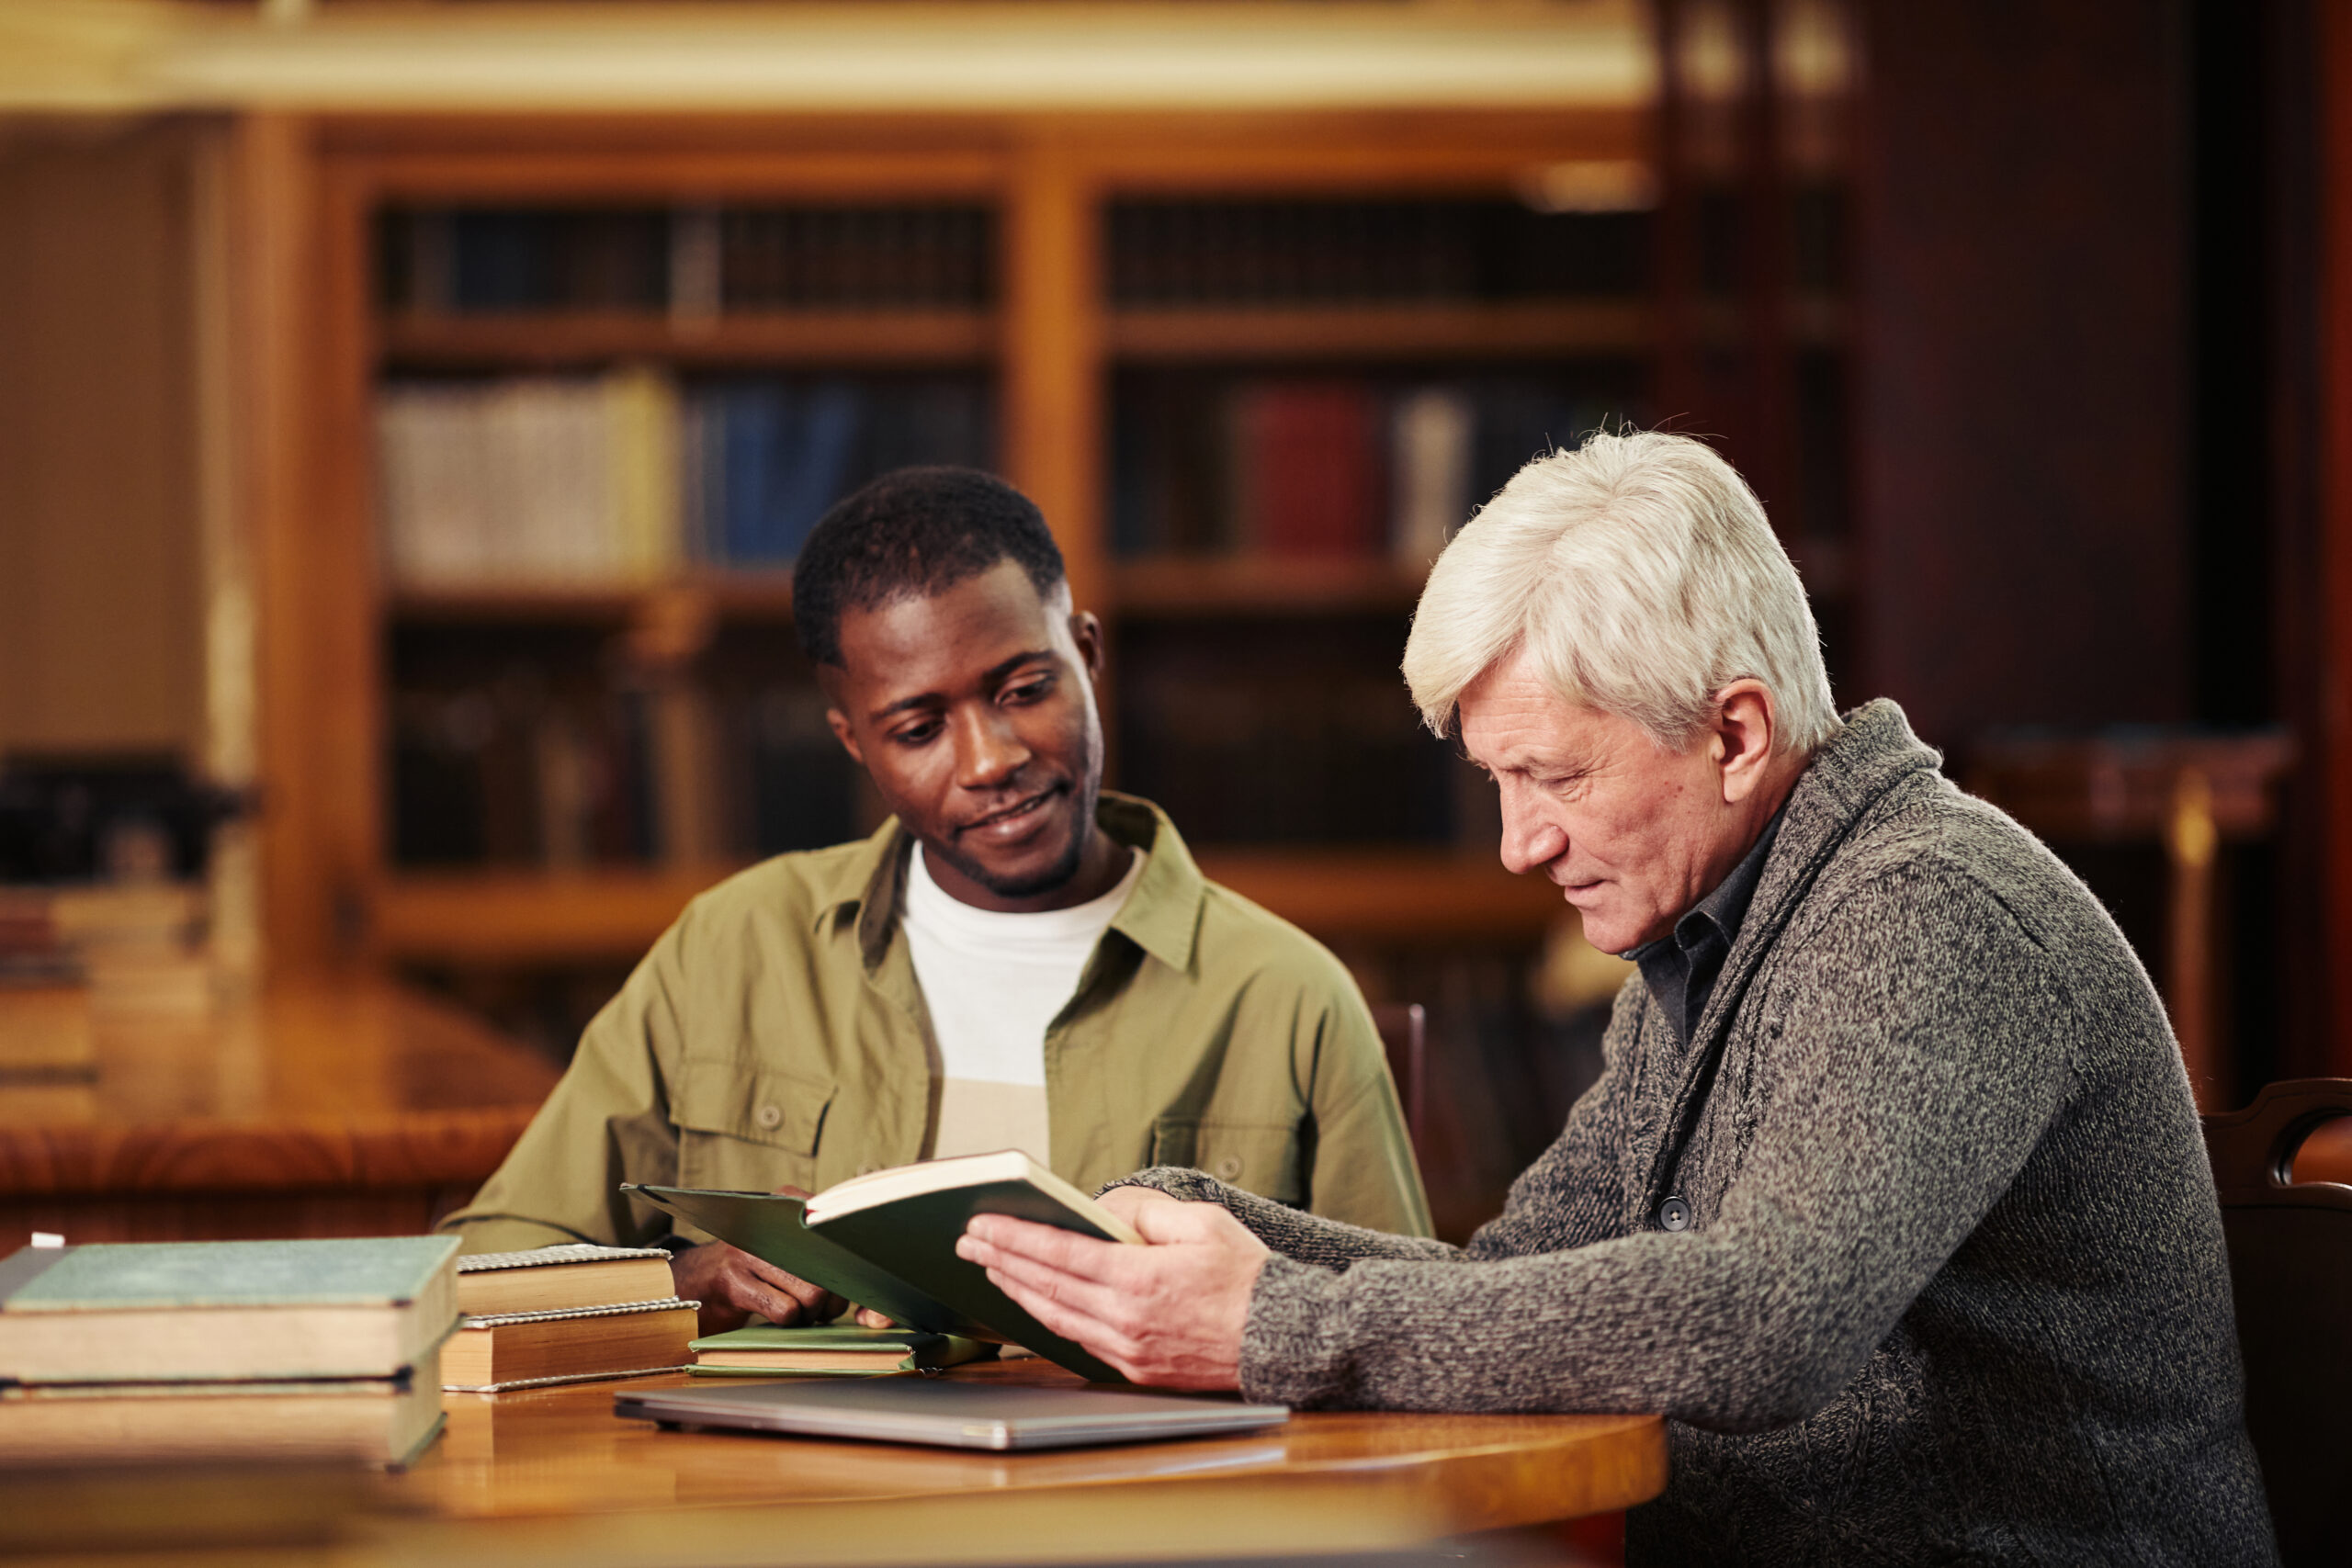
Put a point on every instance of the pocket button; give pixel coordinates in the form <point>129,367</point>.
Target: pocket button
<point>1229,1166</point>
<point>769,1117</point>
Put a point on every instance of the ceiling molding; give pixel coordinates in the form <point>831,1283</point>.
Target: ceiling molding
<point>116,55</point>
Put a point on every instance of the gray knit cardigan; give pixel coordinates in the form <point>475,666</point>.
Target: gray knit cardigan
<point>1953,1286</point>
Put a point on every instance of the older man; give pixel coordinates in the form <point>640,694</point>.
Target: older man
<point>1891,1195</point>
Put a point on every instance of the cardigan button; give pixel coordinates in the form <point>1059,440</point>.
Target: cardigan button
<point>1674,1214</point>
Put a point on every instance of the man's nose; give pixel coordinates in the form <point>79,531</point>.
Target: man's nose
<point>1529,839</point>
<point>988,751</point>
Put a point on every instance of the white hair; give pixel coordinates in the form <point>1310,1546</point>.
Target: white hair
<point>1639,575</point>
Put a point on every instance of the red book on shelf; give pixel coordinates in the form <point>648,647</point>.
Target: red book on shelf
<point>1310,469</point>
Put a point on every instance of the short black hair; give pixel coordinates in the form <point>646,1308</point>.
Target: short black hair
<point>913,531</point>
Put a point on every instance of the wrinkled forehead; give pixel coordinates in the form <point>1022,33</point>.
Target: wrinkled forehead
<point>1512,718</point>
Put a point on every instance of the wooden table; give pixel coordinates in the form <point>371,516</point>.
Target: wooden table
<point>552,1479</point>
<point>356,1108</point>
<point>555,1471</point>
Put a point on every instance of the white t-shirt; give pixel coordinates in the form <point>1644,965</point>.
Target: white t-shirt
<point>992,983</point>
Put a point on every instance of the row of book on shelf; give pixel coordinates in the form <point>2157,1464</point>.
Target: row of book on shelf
<point>1324,467</point>
<point>629,478</point>
<point>503,771</point>
<point>701,260</point>
<point>690,262</point>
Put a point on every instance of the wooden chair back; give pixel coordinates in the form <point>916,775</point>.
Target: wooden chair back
<point>2290,1268</point>
<point>1404,1034</point>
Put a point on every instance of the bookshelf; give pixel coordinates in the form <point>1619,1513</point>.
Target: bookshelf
<point>1054,318</point>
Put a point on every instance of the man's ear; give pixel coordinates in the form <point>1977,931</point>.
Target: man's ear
<point>1746,729</point>
<point>839,721</point>
<point>1087,632</point>
<point>828,680</point>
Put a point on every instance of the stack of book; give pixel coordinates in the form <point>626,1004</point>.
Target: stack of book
<point>559,1314</point>
<point>226,1350</point>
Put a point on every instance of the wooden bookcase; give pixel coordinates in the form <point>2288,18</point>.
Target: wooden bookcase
<point>307,194</point>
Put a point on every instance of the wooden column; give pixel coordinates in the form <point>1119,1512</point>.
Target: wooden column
<point>1053,357</point>
<point>271,273</point>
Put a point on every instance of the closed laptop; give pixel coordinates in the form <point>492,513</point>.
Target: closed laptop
<point>947,1413</point>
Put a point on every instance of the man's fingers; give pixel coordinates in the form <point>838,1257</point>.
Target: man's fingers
<point>1069,1322</point>
<point>1057,1248</point>
<point>815,1299</point>
<point>1095,1300</point>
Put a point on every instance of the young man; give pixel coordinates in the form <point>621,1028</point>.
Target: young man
<point>1014,960</point>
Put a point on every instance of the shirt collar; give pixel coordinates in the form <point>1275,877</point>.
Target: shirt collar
<point>1161,915</point>
<point>1726,905</point>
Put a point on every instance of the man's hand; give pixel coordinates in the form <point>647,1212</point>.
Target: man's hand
<point>733,1285</point>
<point>1125,1200</point>
<point>1168,1313</point>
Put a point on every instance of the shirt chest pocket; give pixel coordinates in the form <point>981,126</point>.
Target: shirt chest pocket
<point>1256,1157</point>
<point>748,1130</point>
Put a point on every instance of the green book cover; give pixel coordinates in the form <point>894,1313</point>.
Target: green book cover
<point>121,1276</point>
<point>918,1351</point>
<point>773,1229</point>
<point>898,1257</point>
<point>914,1238</point>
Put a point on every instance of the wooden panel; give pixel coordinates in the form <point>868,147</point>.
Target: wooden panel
<point>1546,330</point>
<point>100,646</point>
<point>2021,365</point>
<point>809,337</point>
<point>626,174</point>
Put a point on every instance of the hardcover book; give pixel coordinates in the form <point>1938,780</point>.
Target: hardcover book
<point>766,1349</point>
<point>184,1310</point>
<point>887,1241</point>
<point>524,1349</point>
<point>385,1421</point>
<point>553,1279</point>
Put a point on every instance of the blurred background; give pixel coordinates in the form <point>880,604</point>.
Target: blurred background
<point>408,414</point>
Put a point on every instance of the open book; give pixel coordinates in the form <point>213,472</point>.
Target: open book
<point>887,1241</point>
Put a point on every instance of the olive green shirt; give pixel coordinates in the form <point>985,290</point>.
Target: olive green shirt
<point>776,1036</point>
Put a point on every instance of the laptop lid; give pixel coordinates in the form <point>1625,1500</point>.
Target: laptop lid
<point>947,1413</point>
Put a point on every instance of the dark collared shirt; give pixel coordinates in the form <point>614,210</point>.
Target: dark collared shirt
<point>1681,967</point>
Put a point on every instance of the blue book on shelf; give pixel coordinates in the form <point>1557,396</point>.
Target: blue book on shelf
<point>786,458</point>
<point>752,426</point>
<point>817,473</point>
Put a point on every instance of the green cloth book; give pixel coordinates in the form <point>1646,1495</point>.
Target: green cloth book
<point>887,1241</point>
<point>162,1312</point>
<point>766,1349</point>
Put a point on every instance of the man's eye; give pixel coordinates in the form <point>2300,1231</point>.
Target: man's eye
<point>1028,691</point>
<point>916,734</point>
